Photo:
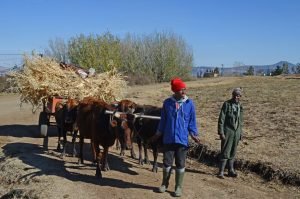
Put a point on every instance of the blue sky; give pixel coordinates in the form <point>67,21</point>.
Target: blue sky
<point>218,31</point>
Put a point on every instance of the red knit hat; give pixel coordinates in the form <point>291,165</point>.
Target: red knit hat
<point>177,84</point>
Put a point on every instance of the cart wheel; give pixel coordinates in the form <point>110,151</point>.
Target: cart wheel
<point>43,123</point>
<point>44,129</point>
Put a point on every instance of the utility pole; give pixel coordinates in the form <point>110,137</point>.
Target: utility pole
<point>222,68</point>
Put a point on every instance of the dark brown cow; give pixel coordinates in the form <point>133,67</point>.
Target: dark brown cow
<point>145,129</point>
<point>65,116</point>
<point>93,123</point>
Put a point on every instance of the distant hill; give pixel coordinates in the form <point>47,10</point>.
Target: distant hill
<point>240,70</point>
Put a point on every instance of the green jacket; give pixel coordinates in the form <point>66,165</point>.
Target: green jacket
<point>229,119</point>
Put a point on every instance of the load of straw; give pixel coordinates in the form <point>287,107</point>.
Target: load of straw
<point>42,78</point>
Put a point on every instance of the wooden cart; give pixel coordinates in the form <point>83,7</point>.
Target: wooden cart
<point>46,117</point>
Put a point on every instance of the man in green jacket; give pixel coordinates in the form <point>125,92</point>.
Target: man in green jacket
<point>230,131</point>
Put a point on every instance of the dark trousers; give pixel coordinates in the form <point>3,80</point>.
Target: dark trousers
<point>176,151</point>
<point>229,145</point>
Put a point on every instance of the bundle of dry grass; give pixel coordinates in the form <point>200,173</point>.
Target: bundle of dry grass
<point>43,77</point>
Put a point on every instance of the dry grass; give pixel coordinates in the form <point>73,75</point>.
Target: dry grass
<point>42,78</point>
<point>271,117</point>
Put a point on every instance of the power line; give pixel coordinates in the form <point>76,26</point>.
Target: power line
<point>10,54</point>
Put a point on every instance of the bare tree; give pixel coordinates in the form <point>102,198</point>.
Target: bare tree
<point>58,49</point>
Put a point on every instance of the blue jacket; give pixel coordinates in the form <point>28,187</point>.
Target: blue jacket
<point>176,123</point>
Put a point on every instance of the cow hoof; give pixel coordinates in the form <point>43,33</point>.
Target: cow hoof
<point>80,162</point>
<point>133,156</point>
<point>146,161</point>
<point>141,162</point>
<point>98,174</point>
<point>105,169</point>
<point>74,154</point>
<point>154,169</point>
<point>62,155</point>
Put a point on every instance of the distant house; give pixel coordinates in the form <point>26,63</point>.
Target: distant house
<point>211,73</point>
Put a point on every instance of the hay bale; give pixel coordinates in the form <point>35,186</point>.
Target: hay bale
<point>42,77</point>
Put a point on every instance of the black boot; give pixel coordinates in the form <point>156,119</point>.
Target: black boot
<point>222,168</point>
<point>165,181</point>
<point>231,171</point>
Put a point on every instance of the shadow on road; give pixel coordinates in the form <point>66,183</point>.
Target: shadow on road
<point>35,157</point>
<point>19,130</point>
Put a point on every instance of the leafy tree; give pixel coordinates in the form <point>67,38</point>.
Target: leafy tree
<point>298,68</point>
<point>285,68</point>
<point>160,56</point>
<point>156,57</point>
<point>277,71</point>
<point>293,70</point>
<point>250,71</point>
<point>99,52</point>
<point>216,70</point>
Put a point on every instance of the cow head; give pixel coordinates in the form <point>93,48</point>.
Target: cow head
<point>125,122</point>
<point>127,106</point>
<point>70,111</point>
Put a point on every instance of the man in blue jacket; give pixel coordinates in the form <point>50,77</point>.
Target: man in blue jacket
<point>178,121</point>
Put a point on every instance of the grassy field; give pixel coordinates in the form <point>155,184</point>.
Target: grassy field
<point>271,115</point>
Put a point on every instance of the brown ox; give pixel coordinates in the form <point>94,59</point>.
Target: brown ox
<point>93,123</point>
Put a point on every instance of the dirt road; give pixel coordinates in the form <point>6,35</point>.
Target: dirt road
<point>26,169</point>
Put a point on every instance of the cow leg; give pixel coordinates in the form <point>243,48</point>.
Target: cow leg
<point>59,137</point>
<point>139,142</point>
<point>74,141</point>
<point>127,143</point>
<point>80,158</point>
<point>64,144</point>
<point>132,153</point>
<point>118,147</point>
<point>122,152</point>
<point>94,151</point>
<point>146,159</point>
<point>122,144</point>
<point>155,154</point>
<point>105,166</point>
<point>95,145</point>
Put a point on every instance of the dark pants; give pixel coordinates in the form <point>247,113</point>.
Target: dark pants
<point>174,150</point>
<point>229,145</point>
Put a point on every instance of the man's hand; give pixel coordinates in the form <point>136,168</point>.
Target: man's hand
<point>222,136</point>
<point>196,138</point>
